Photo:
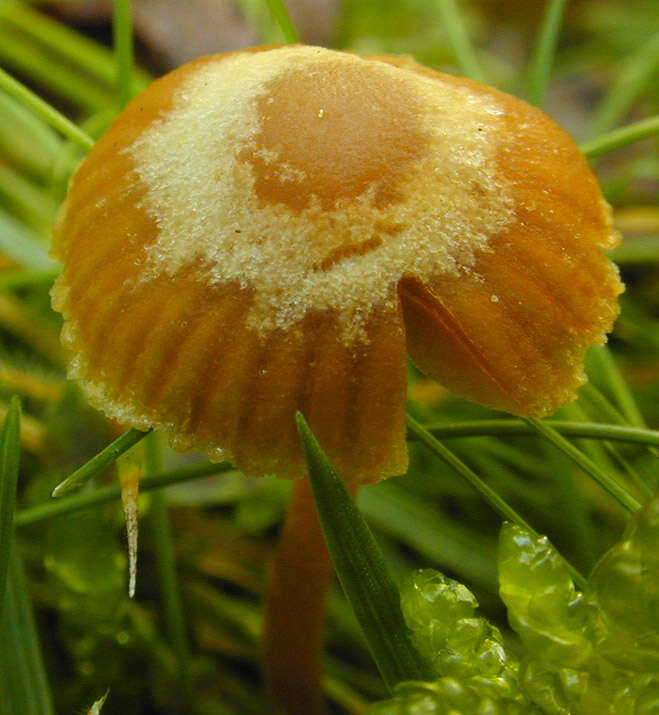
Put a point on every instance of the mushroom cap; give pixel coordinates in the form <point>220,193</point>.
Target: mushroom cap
<point>273,230</point>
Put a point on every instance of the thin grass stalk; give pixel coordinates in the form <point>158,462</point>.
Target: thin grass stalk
<point>28,142</point>
<point>438,538</point>
<point>637,167</point>
<point>596,403</point>
<point>43,67</point>
<point>468,428</point>
<point>44,110</point>
<point>503,452</point>
<point>596,450</point>
<point>575,509</point>
<point>99,462</point>
<point>617,491</point>
<point>77,502</point>
<point>542,56</point>
<point>619,138</point>
<point>23,246</point>
<point>519,481</point>
<point>170,590</point>
<point>458,37</point>
<point>519,428</point>
<point>283,19</point>
<point>122,28</point>
<point>637,479</point>
<point>619,390</point>
<point>634,78</point>
<point>600,405</point>
<point>489,495</point>
<point>71,47</point>
<point>27,199</point>
<point>444,453</point>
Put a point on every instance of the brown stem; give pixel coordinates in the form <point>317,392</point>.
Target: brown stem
<point>295,610</point>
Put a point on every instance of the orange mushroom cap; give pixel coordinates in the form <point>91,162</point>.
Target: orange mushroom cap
<point>272,230</point>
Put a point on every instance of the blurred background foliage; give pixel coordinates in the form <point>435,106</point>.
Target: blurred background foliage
<point>189,641</point>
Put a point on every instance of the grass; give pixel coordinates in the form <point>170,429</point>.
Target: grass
<point>189,641</point>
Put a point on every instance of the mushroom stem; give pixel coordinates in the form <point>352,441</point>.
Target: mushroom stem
<point>294,629</point>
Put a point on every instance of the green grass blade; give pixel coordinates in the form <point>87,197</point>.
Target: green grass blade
<point>543,52</point>
<point>489,495</point>
<point>585,463</point>
<point>22,320</point>
<point>102,460</point>
<point>645,489</point>
<point>362,570</point>
<point>597,450</point>
<point>445,542</point>
<point>24,688</point>
<point>22,278</point>
<point>123,49</point>
<point>43,68</point>
<point>77,502</point>
<point>621,137</point>
<point>445,454</point>
<point>458,36</point>
<point>519,428</point>
<point>282,17</point>
<point>26,141</point>
<point>635,76</point>
<point>10,451</point>
<point>603,361</point>
<point>170,591</point>
<point>22,246</point>
<point>599,405</point>
<point>44,110</point>
<point>575,511</point>
<point>637,250</point>
<point>595,404</point>
<point>70,47</point>
<point>27,200</point>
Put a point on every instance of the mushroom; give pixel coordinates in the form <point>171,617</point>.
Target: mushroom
<point>273,230</point>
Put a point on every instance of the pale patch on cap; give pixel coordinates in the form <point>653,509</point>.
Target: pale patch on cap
<point>242,180</point>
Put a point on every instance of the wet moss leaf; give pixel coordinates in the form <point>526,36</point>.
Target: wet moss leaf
<point>476,674</point>
<point>590,653</point>
<point>625,588</point>
<point>544,607</point>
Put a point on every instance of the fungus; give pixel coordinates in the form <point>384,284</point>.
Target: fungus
<point>273,230</point>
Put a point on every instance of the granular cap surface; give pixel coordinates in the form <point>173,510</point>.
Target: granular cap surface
<point>274,229</point>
